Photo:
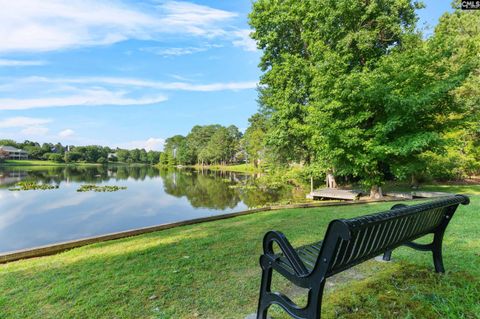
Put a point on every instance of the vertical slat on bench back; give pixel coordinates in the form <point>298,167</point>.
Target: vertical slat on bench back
<point>371,235</point>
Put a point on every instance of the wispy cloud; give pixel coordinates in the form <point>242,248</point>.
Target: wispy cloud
<point>35,131</point>
<point>89,97</point>
<point>178,51</point>
<point>153,143</point>
<point>36,26</point>
<point>243,40</point>
<point>132,82</point>
<point>174,51</point>
<point>10,62</point>
<point>26,126</point>
<point>45,92</point>
<point>22,121</point>
<point>66,133</point>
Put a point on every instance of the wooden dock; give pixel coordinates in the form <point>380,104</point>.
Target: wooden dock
<point>342,194</point>
<point>333,193</point>
<point>429,194</point>
<point>399,195</point>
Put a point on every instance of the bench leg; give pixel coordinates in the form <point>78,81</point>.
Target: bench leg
<point>264,301</point>
<point>437,251</point>
<point>387,256</point>
<point>314,304</point>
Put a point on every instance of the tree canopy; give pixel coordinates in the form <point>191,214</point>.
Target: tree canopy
<point>352,87</point>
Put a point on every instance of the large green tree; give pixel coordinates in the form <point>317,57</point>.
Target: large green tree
<point>254,139</point>
<point>353,87</point>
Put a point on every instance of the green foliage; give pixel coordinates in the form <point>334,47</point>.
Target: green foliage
<point>210,144</point>
<point>86,154</point>
<point>57,158</point>
<point>73,156</point>
<point>254,139</point>
<point>370,98</point>
<point>32,185</point>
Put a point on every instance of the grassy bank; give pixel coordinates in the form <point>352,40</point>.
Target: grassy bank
<point>211,270</point>
<point>240,168</point>
<point>42,163</point>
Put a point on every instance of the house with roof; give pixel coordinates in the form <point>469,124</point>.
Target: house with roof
<point>10,152</point>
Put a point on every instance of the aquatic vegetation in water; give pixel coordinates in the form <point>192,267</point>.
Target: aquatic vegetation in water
<point>30,185</point>
<point>96,188</point>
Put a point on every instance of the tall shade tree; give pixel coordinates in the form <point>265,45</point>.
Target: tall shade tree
<point>254,139</point>
<point>351,86</point>
<point>284,89</point>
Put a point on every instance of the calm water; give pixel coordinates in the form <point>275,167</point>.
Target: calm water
<point>39,217</point>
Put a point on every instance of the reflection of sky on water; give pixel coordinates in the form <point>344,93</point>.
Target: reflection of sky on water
<point>35,218</point>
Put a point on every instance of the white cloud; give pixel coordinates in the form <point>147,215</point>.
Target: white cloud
<point>10,62</point>
<point>174,51</point>
<point>47,25</point>
<point>30,126</point>
<point>21,121</point>
<point>178,51</point>
<point>177,86</point>
<point>66,133</point>
<point>244,41</point>
<point>155,144</point>
<point>132,82</point>
<point>90,97</point>
<point>43,92</point>
<point>35,131</point>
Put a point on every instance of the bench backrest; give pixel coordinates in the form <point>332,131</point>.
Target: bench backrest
<point>368,236</point>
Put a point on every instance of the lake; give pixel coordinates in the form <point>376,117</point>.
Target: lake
<point>153,196</point>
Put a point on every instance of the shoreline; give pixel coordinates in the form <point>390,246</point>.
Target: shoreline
<point>51,249</point>
<point>240,168</point>
<point>36,163</point>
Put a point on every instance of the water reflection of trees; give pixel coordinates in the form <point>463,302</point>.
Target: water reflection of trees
<point>211,189</point>
<point>84,174</point>
<point>203,189</point>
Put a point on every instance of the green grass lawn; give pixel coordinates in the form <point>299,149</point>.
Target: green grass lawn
<point>211,270</point>
<point>240,168</point>
<point>40,163</point>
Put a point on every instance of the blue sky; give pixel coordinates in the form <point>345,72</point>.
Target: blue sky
<point>128,73</point>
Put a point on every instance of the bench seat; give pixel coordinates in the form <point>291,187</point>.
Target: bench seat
<point>308,254</point>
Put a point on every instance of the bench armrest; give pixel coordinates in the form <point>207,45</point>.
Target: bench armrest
<point>286,248</point>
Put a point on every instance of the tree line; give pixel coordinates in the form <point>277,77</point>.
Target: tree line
<point>87,154</point>
<point>217,145</point>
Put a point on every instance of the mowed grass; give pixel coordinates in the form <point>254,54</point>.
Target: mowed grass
<point>211,270</point>
<point>240,168</point>
<point>41,163</point>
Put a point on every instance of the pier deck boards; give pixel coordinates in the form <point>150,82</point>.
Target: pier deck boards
<point>332,193</point>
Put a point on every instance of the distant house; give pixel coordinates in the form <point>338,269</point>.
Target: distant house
<point>10,152</point>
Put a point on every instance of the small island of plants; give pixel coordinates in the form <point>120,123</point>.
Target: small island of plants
<point>31,185</point>
<point>96,188</point>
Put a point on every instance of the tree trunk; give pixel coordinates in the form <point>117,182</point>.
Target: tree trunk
<point>376,192</point>
<point>414,182</point>
<point>331,183</point>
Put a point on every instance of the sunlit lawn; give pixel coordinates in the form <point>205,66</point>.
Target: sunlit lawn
<point>39,163</point>
<point>211,270</point>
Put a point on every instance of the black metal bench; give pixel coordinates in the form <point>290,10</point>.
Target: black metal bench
<point>349,242</point>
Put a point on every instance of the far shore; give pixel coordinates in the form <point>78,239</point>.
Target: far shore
<point>240,168</point>
<point>52,163</point>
